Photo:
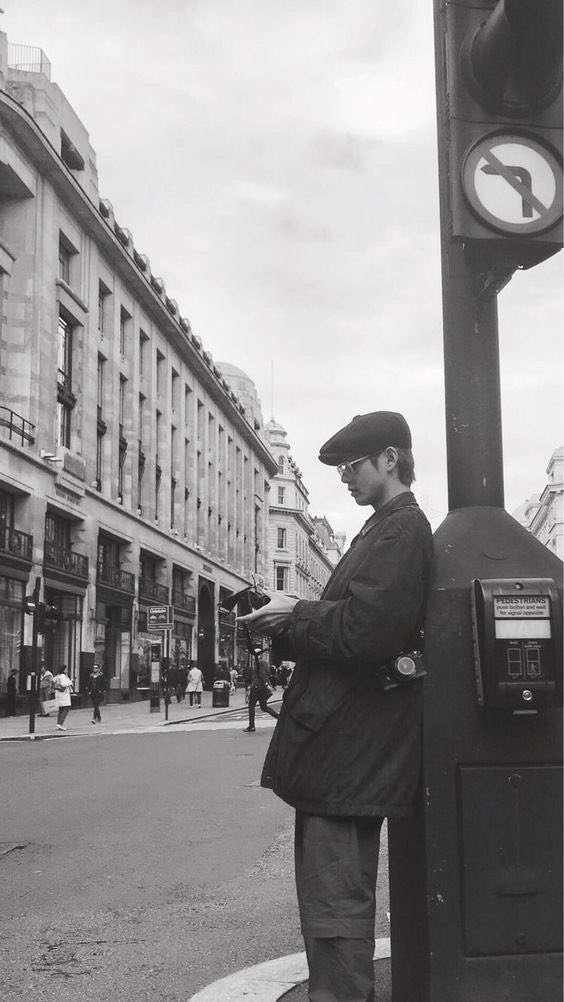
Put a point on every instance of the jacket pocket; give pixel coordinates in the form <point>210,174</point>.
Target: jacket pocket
<point>310,706</point>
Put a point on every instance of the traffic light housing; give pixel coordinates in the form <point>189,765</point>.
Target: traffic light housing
<point>48,618</point>
<point>500,126</point>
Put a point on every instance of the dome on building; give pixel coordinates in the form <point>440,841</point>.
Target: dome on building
<point>275,428</point>
<point>244,387</point>
<point>276,435</point>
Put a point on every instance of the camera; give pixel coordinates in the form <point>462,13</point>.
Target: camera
<point>245,601</point>
<point>403,668</point>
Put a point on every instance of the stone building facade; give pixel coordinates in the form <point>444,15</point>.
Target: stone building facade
<point>543,514</point>
<point>303,549</point>
<point>132,476</point>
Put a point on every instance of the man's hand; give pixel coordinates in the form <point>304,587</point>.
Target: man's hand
<point>272,617</point>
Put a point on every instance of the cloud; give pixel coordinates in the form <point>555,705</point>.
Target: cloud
<point>276,159</point>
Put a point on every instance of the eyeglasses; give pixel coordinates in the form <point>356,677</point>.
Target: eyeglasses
<point>349,467</point>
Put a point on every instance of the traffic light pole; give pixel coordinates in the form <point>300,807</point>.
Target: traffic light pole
<point>475,885</point>
<point>472,383</point>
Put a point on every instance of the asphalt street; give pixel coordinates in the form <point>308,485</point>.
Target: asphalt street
<point>143,865</point>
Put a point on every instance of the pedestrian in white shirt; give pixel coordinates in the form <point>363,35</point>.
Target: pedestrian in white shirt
<point>62,685</point>
<point>195,686</point>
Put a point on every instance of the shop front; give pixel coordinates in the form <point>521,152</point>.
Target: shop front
<point>62,641</point>
<point>16,552</point>
<point>115,591</point>
<point>12,600</point>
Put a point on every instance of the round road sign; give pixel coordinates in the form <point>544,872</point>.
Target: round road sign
<point>513,183</point>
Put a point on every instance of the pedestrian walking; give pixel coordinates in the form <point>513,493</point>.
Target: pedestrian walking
<point>346,750</point>
<point>45,690</point>
<point>234,674</point>
<point>11,693</point>
<point>260,692</point>
<point>195,686</point>
<point>247,673</point>
<point>62,685</point>
<point>96,688</point>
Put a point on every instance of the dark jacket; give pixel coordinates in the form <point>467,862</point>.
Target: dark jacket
<point>96,684</point>
<point>260,674</point>
<point>342,746</point>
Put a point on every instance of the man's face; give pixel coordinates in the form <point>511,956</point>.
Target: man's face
<point>368,481</point>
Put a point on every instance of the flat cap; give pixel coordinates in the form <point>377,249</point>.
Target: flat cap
<point>366,435</point>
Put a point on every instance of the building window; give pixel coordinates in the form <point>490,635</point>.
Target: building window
<point>64,358</point>
<point>280,464</point>
<point>100,388</point>
<point>187,406</point>
<point>121,471</point>
<point>64,261</point>
<point>158,469</point>
<point>65,398</point>
<point>100,423</point>
<point>103,307</point>
<point>99,460</point>
<point>122,439</point>
<point>281,493</point>
<point>124,325</point>
<point>160,372</point>
<point>281,539</point>
<point>174,393</point>
<point>122,400</point>
<point>63,425</point>
<point>143,338</point>
<point>281,578</point>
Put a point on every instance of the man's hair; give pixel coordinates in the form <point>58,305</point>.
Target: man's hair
<point>406,467</point>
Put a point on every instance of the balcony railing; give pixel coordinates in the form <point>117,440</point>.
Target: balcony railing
<point>152,589</point>
<point>29,59</point>
<point>182,601</point>
<point>17,426</point>
<point>18,544</point>
<point>65,559</point>
<point>115,578</point>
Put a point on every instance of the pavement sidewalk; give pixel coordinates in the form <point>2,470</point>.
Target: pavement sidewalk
<point>118,718</point>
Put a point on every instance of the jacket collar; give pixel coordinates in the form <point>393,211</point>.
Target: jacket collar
<point>400,501</point>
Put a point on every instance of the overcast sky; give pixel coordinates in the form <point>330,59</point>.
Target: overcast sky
<point>276,160</point>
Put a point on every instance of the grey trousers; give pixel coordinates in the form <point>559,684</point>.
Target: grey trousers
<point>336,862</point>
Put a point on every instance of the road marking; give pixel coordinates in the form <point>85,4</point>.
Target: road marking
<point>268,982</point>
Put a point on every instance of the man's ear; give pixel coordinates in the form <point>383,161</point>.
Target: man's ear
<point>391,454</point>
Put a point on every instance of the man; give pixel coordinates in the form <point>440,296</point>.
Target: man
<point>45,689</point>
<point>11,693</point>
<point>259,692</point>
<point>345,752</point>
<point>96,688</point>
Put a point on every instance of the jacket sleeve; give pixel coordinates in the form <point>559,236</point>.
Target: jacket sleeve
<point>382,604</point>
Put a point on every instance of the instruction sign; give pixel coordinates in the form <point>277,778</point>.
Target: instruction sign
<point>513,183</point>
<point>159,617</point>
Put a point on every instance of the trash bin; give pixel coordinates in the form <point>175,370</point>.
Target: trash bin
<point>220,693</point>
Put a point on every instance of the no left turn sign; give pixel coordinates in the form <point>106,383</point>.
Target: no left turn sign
<point>513,183</point>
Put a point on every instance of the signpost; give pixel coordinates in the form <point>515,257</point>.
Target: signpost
<point>160,620</point>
